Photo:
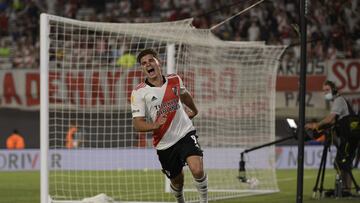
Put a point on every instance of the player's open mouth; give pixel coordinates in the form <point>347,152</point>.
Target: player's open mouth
<point>152,70</point>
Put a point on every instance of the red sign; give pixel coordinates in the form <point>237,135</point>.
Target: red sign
<point>291,83</point>
<point>346,75</point>
<point>220,92</point>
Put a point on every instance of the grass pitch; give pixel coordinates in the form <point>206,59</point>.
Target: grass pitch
<point>24,187</point>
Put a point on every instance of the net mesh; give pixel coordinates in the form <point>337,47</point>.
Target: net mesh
<point>92,71</point>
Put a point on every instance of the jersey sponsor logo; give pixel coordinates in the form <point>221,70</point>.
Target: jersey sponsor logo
<point>175,90</point>
<point>167,107</point>
<point>135,111</point>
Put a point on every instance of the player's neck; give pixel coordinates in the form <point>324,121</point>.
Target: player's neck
<point>158,81</point>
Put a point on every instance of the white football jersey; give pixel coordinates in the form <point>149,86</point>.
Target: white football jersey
<point>150,101</point>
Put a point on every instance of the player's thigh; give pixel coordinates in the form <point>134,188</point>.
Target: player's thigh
<point>196,165</point>
<point>192,153</point>
<point>178,181</point>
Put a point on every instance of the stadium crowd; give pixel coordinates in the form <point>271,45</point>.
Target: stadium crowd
<point>333,26</point>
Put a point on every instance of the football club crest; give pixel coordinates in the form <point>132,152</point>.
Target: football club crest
<point>175,90</point>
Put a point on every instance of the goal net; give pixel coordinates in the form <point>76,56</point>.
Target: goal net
<point>88,144</point>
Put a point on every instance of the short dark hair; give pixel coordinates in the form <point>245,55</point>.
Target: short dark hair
<point>146,52</point>
<point>331,84</point>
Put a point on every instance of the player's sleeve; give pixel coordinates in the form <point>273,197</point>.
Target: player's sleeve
<point>137,104</point>
<point>182,86</point>
<point>339,106</point>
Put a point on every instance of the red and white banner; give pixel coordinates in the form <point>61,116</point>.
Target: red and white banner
<point>290,66</point>
<point>314,83</point>
<point>212,88</point>
<point>288,76</point>
<point>290,99</point>
<point>346,75</point>
<point>21,88</point>
<point>287,89</point>
<point>111,90</point>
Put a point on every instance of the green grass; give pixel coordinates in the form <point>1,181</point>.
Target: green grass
<point>24,187</point>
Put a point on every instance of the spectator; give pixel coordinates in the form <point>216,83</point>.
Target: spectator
<point>15,141</point>
<point>74,136</point>
<point>335,24</point>
<point>3,23</point>
<point>254,31</point>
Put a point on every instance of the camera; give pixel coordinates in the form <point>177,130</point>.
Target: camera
<point>308,134</point>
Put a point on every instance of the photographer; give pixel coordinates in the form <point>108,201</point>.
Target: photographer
<point>346,145</point>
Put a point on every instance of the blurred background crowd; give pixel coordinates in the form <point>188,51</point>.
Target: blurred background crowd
<point>333,26</point>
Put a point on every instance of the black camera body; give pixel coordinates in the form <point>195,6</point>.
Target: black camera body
<point>314,134</point>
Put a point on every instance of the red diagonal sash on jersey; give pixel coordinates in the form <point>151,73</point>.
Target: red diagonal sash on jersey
<point>172,97</point>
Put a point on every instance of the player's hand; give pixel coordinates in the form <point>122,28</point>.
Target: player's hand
<point>160,121</point>
<point>190,113</point>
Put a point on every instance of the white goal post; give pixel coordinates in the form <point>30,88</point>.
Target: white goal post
<point>88,70</point>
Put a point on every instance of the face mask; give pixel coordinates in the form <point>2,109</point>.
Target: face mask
<point>328,96</point>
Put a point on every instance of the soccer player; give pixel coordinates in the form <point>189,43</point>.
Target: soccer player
<point>158,106</point>
<point>346,147</point>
